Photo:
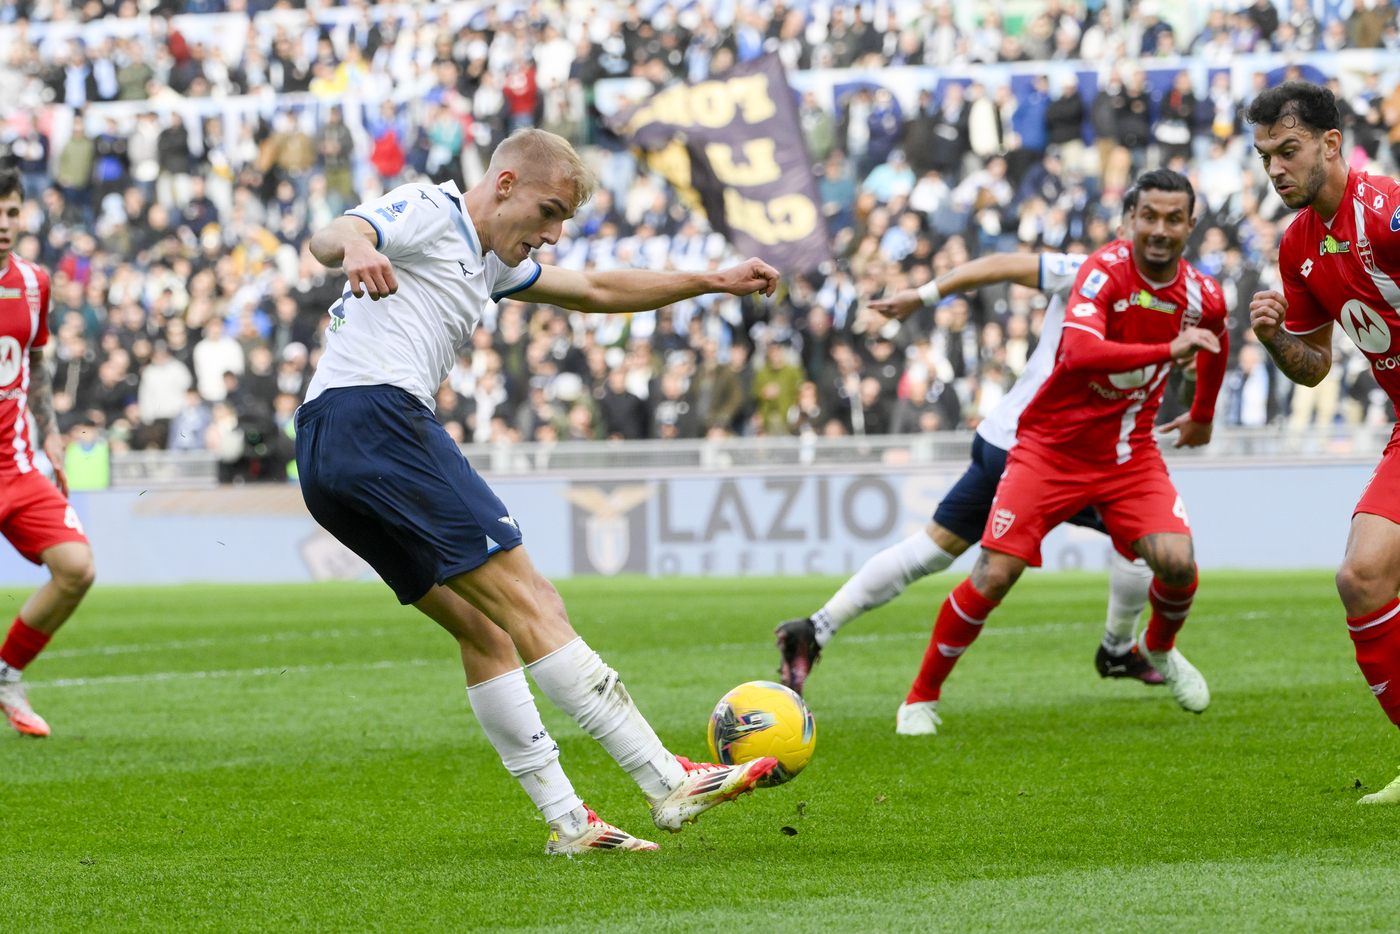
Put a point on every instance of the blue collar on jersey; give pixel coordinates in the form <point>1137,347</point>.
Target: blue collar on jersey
<point>462,227</point>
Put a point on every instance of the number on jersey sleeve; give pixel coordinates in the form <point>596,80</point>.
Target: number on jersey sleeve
<point>407,220</point>
<point>1058,272</point>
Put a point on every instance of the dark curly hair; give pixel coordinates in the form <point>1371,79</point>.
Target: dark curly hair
<point>1312,106</point>
<point>11,183</point>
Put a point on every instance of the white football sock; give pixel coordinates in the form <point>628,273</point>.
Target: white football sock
<point>880,580</point>
<point>9,675</point>
<point>1127,596</point>
<point>575,679</point>
<point>506,711</point>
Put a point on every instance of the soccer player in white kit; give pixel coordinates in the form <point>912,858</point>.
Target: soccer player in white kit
<point>381,474</point>
<point>963,513</point>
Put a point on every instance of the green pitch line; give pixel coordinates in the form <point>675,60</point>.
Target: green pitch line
<point>303,758</point>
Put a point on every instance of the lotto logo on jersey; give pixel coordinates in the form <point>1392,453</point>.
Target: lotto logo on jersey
<point>1083,310</point>
<point>1306,267</point>
<point>1092,283</point>
<point>1001,522</point>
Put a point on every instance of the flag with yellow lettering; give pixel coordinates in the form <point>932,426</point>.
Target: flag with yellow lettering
<point>733,144</point>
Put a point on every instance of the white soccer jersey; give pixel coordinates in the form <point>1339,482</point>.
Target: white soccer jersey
<point>1057,273</point>
<point>410,338</point>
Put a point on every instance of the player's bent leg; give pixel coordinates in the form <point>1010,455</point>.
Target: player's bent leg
<point>72,573</point>
<point>1171,556</point>
<point>509,590</point>
<point>501,700</point>
<point>882,578</point>
<point>71,568</point>
<point>1367,582</point>
<point>959,623</point>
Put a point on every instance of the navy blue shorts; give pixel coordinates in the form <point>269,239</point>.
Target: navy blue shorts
<point>964,510</point>
<point>382,475</point>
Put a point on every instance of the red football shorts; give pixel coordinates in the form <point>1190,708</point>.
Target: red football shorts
<point>1038,492</point>
<point>35,516</point>
<point>1381,497</point>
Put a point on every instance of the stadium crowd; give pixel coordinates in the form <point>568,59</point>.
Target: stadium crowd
<point>189,314</point>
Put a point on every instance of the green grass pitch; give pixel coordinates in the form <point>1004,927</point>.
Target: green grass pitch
<point>303,758</point>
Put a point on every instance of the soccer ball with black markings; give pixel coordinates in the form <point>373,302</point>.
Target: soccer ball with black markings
<point>763,718</point>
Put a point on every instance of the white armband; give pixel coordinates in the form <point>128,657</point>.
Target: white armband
<point>928,292</point>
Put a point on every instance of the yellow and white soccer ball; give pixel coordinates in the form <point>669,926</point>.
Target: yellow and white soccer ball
<point>763,718</point>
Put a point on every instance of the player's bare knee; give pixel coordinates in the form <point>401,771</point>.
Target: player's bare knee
<point>74,575</point>
<point>1363,586</point>
<point>1177,571</point>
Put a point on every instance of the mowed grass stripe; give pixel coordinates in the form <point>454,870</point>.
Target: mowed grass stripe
<point>358,798</point>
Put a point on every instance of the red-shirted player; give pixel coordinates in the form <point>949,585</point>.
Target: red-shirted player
<point>34,514</point>
<point>1340,261</point>
<point>1086,439</point>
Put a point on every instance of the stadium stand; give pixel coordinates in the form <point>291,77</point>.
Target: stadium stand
<point>178,157</point>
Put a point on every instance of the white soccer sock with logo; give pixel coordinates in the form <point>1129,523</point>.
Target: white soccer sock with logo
<point>1128,582</point>
<point>880,580</point>
<point>507,713</point>
<point>578,683</point>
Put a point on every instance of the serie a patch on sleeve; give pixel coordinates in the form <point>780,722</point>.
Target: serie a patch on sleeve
<point>1092,284</point>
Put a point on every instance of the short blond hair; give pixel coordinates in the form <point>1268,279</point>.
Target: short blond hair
<point>529,149</point>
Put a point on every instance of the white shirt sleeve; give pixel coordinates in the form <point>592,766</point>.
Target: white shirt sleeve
<point>1058,272</point>
<point>408,220</point>
<point>505,280</point>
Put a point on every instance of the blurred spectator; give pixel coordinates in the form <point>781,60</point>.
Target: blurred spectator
<point>176,229</point>
<point>775,386</point>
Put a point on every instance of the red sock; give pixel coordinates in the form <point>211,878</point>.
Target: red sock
<point>22,644</point>
<point>1377,638</point>
<point>959,622</point>
<point>1169,608</point>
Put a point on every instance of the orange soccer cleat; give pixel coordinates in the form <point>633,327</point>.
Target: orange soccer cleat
<point>706,785</point>
<point>16,706</point>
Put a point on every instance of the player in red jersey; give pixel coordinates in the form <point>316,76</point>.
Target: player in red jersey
<point>1340,261</point>
<point>1087,439</point>
<point>34,514</point>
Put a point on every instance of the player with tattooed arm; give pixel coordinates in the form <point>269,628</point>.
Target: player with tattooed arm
<point>34,514</point>
<point>1340,262</point>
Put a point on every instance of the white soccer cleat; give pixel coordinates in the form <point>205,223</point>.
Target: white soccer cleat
<point>15,703</point>
<point>1390,794</point>
<point>706,785</point>
<point>1187,684</point>
<point>597,835</point>
<point>917,719</point>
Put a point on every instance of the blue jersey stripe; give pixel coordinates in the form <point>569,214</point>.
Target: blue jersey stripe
<point>379,231</point>
<point>519,288</point>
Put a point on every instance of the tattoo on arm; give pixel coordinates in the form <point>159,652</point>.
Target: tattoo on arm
<point>1299,360</point>
<point>41,397</point>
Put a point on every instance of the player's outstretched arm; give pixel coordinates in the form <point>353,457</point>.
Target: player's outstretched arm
<point>623,290</point>
<point>1022,268</point>
<point>349,242</point>
<point>1303,358</point>
<point>45,421</point>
